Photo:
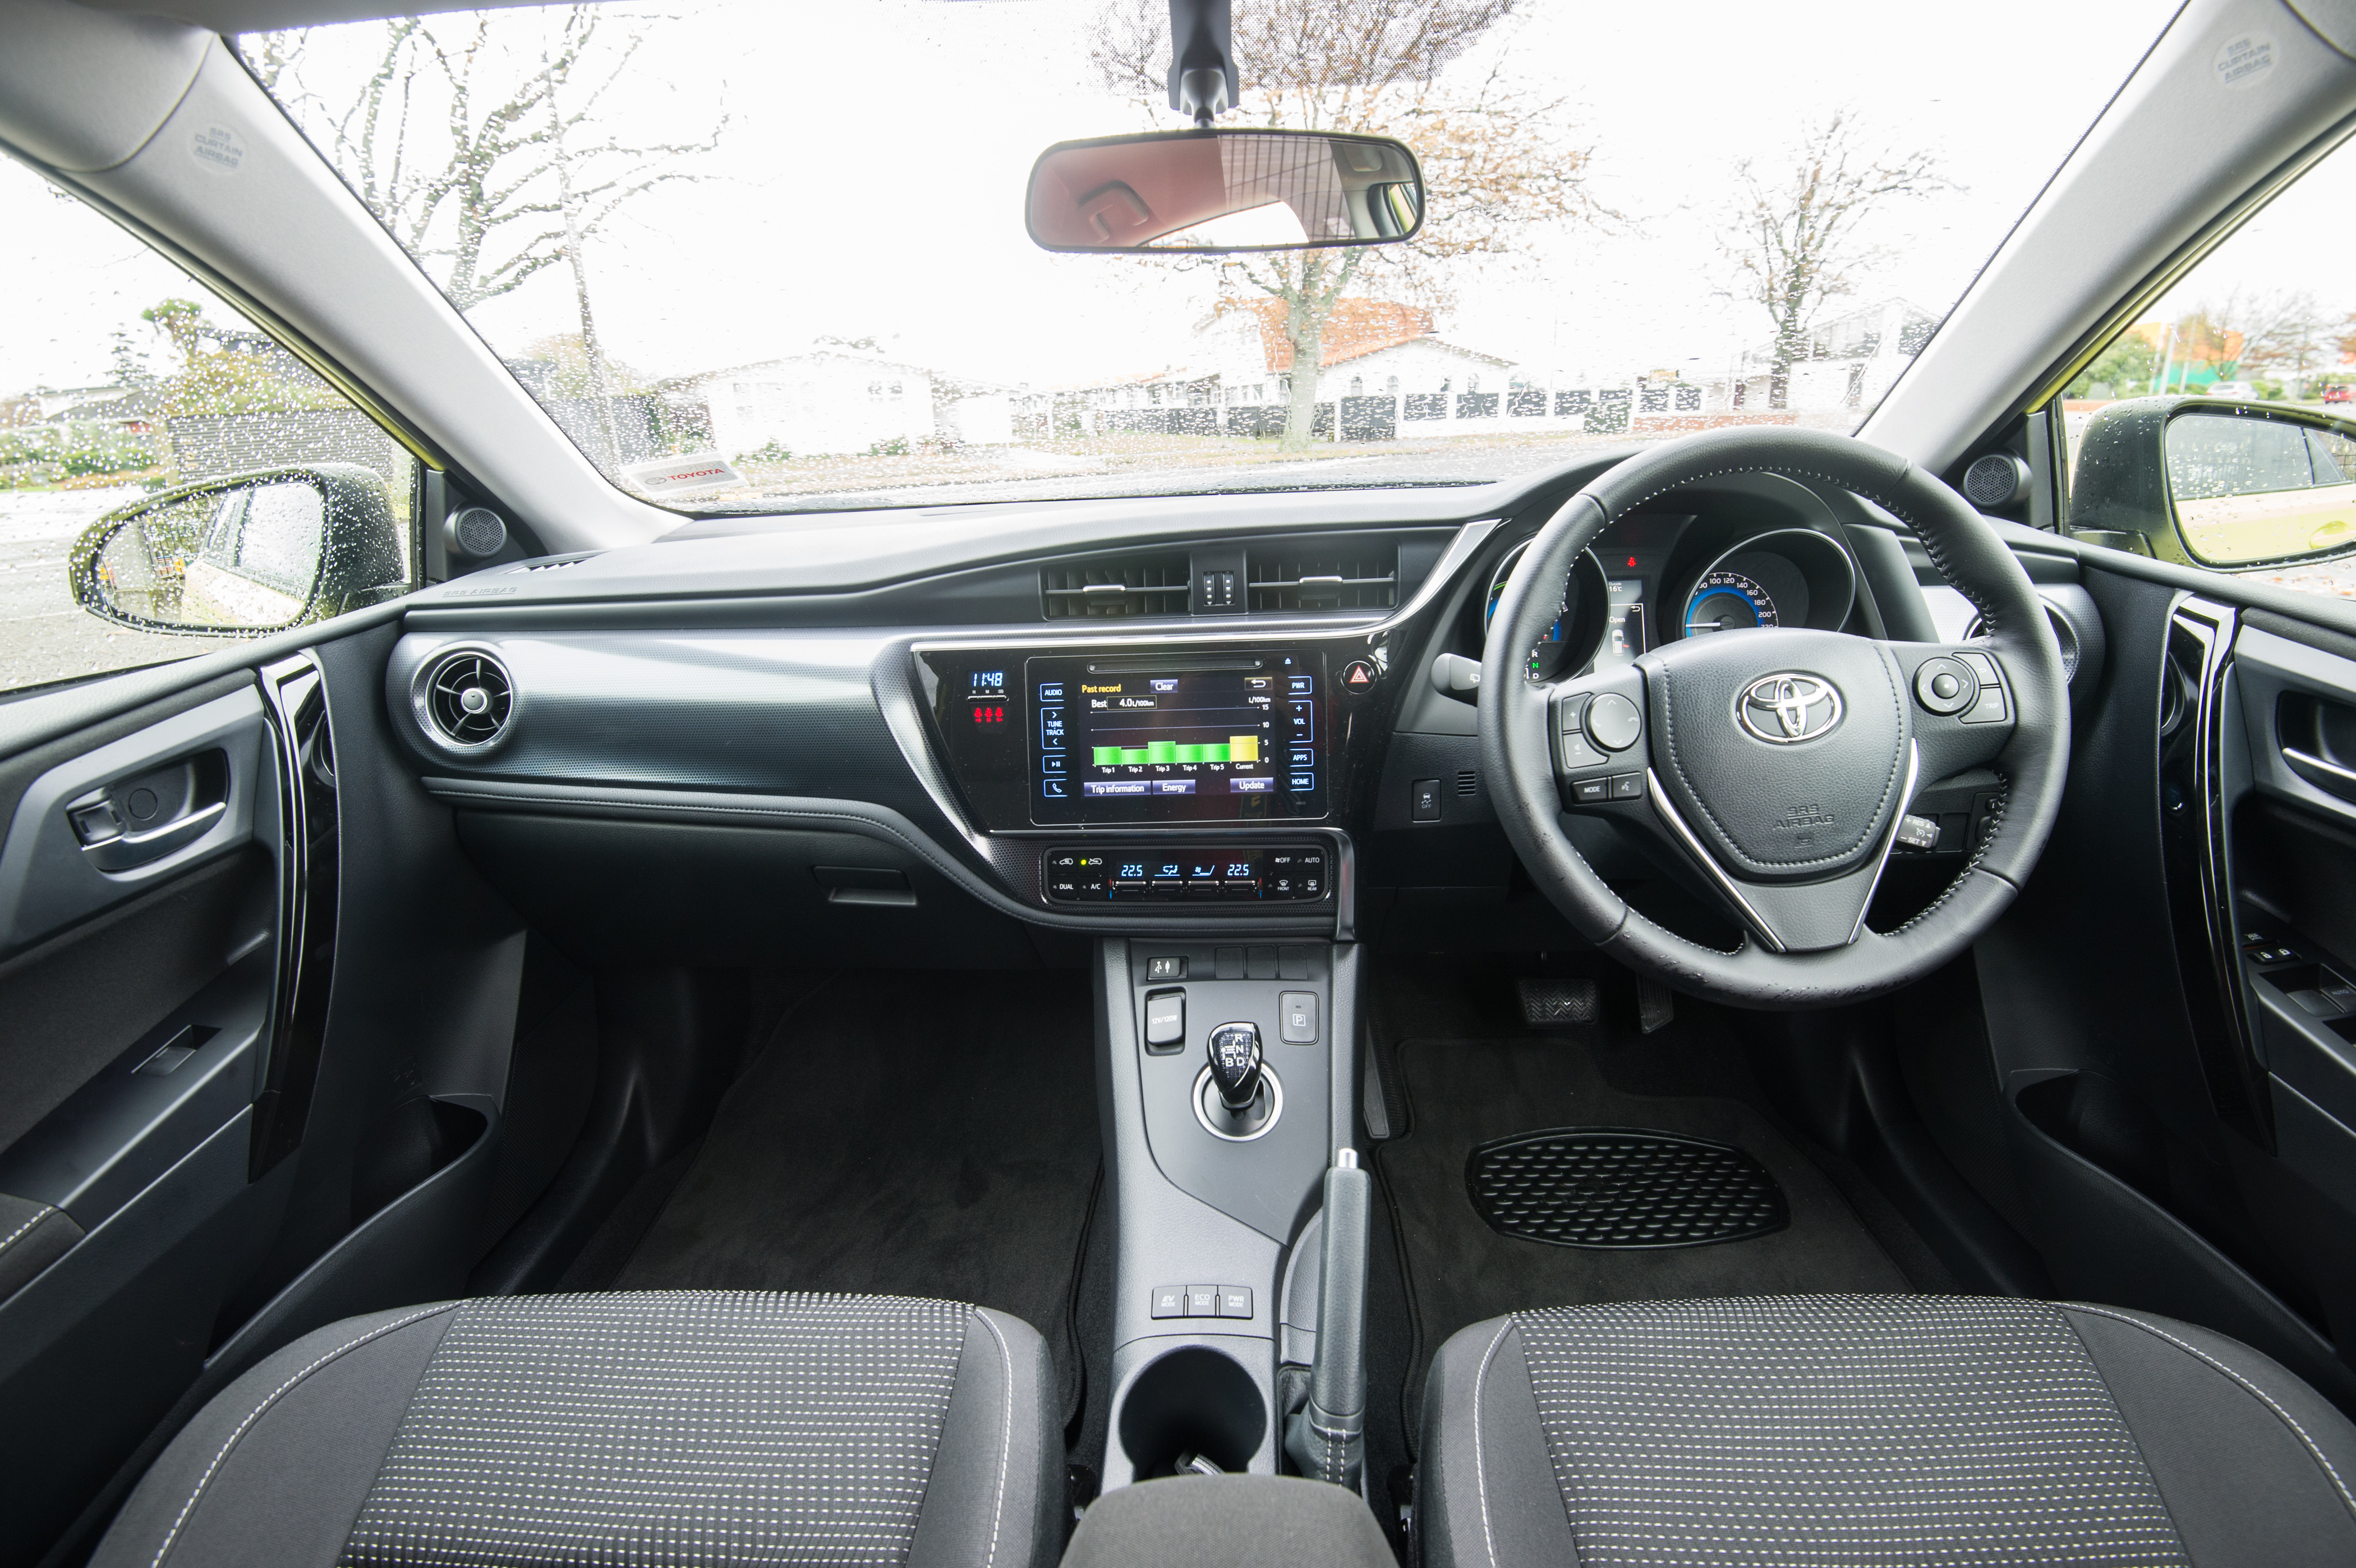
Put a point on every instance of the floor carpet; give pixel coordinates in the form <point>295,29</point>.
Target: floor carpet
<point>1460,1094</point>
<point>911,1134</point>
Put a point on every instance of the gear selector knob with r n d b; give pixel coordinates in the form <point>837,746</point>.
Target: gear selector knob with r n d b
<point>1235,1066</point>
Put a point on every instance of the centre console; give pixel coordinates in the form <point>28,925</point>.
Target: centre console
<point>1188,798</point>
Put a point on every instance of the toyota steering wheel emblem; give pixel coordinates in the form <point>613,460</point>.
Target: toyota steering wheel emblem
<point>1788,708</point>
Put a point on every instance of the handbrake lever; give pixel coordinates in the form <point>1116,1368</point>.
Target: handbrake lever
<point>1326,1438</point>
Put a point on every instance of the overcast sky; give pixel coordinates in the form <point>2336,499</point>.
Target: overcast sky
<point>869,182</point>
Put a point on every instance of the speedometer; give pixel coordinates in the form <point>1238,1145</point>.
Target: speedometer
<point>1728,601</point>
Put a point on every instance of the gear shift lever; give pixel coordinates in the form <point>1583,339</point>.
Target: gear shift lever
<point>1235,1066</point>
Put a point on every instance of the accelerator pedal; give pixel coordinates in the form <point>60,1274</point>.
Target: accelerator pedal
<point>1620,1186</point>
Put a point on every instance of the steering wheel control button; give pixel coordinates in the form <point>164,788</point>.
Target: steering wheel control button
<point>1945,685</point>
<point>1627,786</point>
<point>1988,706</point>
<point>1990,709</point>
<point>1296,1018</point>
<point>1577,754</point>
<point>1592,791</point>
<point>1573,711</point>
<point>1613,723</point>
<point>1165,1022</point>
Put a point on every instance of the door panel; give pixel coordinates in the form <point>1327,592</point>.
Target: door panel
<point>139,910</point>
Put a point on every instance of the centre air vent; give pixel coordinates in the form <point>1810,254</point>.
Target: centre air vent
<point>1329,573</point>
<point>465,697</point>
<point>1117,589</point>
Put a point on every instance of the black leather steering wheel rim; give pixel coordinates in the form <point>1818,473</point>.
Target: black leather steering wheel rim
<point>1517,736</point>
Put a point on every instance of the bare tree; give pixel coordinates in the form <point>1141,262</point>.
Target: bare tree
<point>1799,235</point>
<point>1499,160</point>
<point>457,146</point>
<point>2284,334</point>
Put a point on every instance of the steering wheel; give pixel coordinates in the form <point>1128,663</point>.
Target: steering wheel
<point>1779,764</point>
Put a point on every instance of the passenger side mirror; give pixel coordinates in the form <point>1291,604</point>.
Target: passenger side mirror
<point>254,553</point>
<point>1211,192</point>
<point>2230,485</point>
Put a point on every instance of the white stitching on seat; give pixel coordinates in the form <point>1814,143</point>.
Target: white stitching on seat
<point>40,1214</point>
<point>1480,1461</point>
<point>2314,1451</point>
<point>1005,1436</point>
<point>173,1534</point>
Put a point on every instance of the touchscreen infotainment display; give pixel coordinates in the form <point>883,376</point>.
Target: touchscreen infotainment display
<point>1159,737</point>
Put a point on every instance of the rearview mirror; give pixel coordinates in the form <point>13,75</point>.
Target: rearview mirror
<point>2217,484</point>
<point>1219,191</point>
<point>257,551</point>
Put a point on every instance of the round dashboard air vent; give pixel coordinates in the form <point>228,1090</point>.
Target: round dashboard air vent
<point>467,697</point>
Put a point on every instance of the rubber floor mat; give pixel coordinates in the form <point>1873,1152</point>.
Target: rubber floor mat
<point>1618,1186</point>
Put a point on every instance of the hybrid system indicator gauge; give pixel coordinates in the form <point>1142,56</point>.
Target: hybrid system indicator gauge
<point>1574,637</point>
<point>1728,601</point>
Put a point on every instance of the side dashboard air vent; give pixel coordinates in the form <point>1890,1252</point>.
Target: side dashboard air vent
<point>1326,573</point>
<point>465,698</point>
<point>1113,589</point>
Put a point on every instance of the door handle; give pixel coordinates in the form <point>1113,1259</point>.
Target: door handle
<point>2321,772</point>
<point>138,820</point>
<point>124,851</point>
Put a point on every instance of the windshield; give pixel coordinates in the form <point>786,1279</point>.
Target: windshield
<point>759,258</point>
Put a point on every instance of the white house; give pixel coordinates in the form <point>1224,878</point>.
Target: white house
<point>838,398</point>
<point>1370,347</point>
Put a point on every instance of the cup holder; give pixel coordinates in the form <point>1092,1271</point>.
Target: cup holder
<point>1192,1400</point>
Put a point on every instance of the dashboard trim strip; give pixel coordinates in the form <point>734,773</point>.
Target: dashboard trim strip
<point>878,823</point>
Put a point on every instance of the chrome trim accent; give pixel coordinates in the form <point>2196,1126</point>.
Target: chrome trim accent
<point>1790,694</point>
<point>1275,1108</point>
<point>1889,840</point>
<point>1710,867</point>
<point>2321,764</point>
<point>421,703</point>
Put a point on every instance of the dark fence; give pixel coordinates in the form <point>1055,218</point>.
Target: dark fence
<point>1526,402</point>
<point>1476,405</point>
<point>1161,421</point>
<point>1369,418</point>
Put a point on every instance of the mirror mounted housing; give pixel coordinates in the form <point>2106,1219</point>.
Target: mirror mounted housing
<point>1219,192</point>
<point>248,553</point>
<point>2215,482</point>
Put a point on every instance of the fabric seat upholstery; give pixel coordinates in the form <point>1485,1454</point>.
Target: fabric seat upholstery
<point>1802,1431</point>
<point>655,1428</point>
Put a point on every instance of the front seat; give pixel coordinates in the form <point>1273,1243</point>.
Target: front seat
<point>652,1427</point>
<point>1867,1430</point>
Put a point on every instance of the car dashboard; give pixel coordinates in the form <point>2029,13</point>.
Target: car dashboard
<point>1251,713</point>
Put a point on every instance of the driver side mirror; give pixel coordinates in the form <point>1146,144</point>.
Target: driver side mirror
<point>254,553</point>
<point>1214,192</point>
<point>2216,484</point>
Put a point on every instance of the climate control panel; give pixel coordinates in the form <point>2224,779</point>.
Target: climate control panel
<point>1222,873</point>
